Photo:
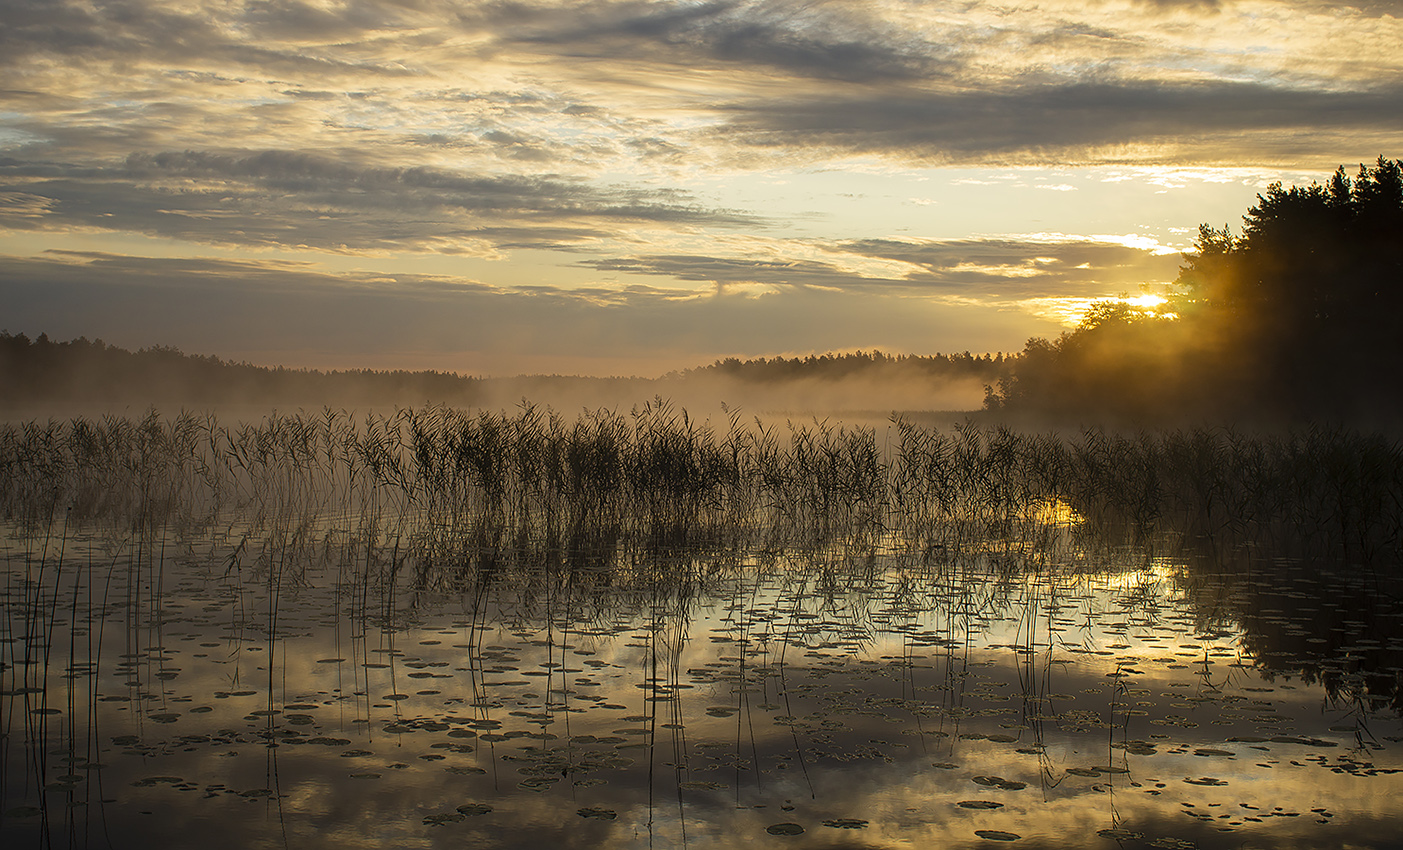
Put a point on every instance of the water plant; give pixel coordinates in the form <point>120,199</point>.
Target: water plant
<point>466,489</point>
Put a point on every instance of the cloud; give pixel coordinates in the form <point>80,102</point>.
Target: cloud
<point>1076,122</point>
<point>264,36</point>
<point>1204,5</point>
<point>825,41</point>
<point>1370,8</point>
<point>662,84</point>
<point>989,269</point>
<point>293,198</point>
<point>739,272</point>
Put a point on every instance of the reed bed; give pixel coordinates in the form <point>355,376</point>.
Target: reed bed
<point>444,490</point>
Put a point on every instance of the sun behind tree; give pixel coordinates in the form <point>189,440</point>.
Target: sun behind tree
<point>1298,318</point>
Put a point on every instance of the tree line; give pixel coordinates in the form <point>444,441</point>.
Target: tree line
<point>42,371</point>
<point>834,366</point>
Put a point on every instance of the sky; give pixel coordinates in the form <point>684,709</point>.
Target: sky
<point>627,188</point>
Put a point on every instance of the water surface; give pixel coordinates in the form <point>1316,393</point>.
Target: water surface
<point>192,687</point>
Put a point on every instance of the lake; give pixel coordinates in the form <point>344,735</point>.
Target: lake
<point>202,650</point>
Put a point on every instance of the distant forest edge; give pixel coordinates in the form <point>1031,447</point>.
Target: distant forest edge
<point>40,371</point>
<point>1299,318</point>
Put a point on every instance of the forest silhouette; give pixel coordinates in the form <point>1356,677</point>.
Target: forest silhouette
<point>1295,319</point>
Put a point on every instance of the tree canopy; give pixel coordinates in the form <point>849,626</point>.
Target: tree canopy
<point>1298,317</point>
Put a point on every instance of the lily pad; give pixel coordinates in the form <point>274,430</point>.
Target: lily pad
<point>595,812</point>
<point>785,829</point>
<point>997,835</point>
<point>23,812</point>
<point>157,780</point>
<point>1000,783</point>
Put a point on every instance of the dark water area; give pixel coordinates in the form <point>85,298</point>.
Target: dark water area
<point>173,692</point>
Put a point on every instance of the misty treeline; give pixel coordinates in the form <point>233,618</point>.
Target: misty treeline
<point>39,371</point>
<point>1300,317</point>
<point>944,367</point>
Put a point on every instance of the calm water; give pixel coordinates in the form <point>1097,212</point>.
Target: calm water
<point>200,692</point>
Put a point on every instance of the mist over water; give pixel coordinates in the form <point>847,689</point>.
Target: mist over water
<point>41,379</point>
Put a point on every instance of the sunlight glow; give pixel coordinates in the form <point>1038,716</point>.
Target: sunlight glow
<point>1070,312</point>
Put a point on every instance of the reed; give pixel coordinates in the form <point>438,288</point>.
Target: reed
<point>459,491</point>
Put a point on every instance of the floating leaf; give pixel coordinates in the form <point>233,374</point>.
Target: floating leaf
<point>1000,782</point>
<point>157,780</point>
<point>785,829</point>
<point>997,835</point>
<point>979,804</point>
<point>23,812</point>
<point>594,812</point>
